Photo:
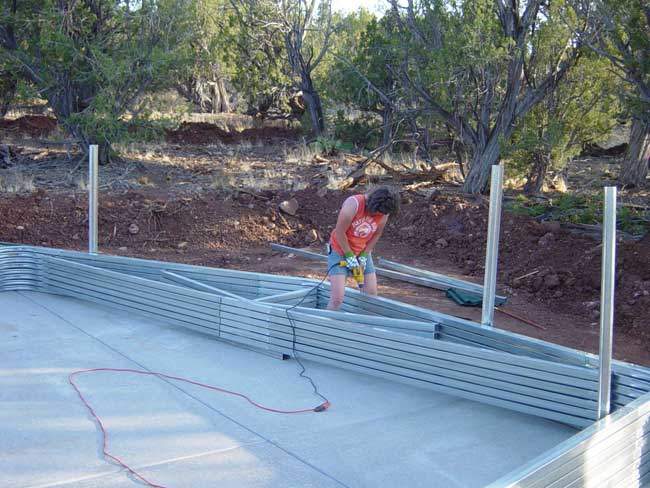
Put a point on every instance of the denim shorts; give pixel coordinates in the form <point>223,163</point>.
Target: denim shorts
<point>334,268</point>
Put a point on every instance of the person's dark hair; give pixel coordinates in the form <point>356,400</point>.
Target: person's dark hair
<point>383,200</point>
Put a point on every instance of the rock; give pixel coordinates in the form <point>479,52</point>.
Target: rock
<point>122,248</point>
<point>441,243</point>
<point>537,283</point>
<point>551,281</point>
<point>558,294</point>
<point>182,245</point>
<point>551,226</point>
<point>631,301</point>
<point>591,305</point>
<point>76,237</point>
<point>470,265</point>
<point>271,225</point>
<point>20,227</point>
<point>546,239</point>
<point>290,206</point>
<point>321,192</point>
<point>134,229</point>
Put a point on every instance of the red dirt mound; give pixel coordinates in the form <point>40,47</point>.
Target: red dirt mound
<point>563,268</point>
<point>205,133</point>
<point>32,125</point>
<point>542,264</point>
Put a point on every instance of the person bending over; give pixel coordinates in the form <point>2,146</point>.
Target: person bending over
<point>360,223</point>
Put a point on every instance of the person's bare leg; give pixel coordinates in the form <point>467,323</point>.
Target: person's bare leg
<point>370,284</point>
<point>337,282</point>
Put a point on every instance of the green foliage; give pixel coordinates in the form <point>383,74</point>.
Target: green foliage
<point>579,209</point>
<point>94,60</point>
<point>363,131</point>
<point>363,61</point>
<point>251,47</point>
<point>582,111</point>
<point>624,35</point>
<point>330,147</point>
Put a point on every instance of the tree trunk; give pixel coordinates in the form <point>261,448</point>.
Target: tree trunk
<point>8,86</point>
<point>387,125</point>
<point>635,165</point>
<point>537,173</point>
<point>480,167</point>
<point>315,110</point>
<point>223,94</point>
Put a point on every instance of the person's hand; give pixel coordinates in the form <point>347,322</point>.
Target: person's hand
<point>363,259</point>
<point>351,260</point>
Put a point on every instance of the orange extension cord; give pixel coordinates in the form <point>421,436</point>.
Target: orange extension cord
<point>107,454</point>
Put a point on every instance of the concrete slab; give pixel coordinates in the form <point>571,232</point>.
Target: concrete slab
<point>378,433</point>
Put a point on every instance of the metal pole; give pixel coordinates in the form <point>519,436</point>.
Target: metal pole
<point>607,302</point>
<point>492,250</point>
<point>93,183</point>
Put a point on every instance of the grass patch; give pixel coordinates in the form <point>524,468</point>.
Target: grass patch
<point>15,181</point>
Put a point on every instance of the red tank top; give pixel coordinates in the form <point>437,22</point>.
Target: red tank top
<point>361,230</point>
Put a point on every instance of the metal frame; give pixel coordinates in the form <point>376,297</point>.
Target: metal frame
<point>608,271</point>
<point>372,335</point>
<point>93,201</point>
<point>615,452</point>
<point>402,272</point>
<point>492,249</point>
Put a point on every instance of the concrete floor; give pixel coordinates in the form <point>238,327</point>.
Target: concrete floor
<point>378,433</point>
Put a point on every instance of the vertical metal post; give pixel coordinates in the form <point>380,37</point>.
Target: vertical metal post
<point>607,302</point>
<point>93,184</point>
<point>492,250</point>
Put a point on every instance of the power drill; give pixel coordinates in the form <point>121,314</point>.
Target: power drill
<point>357,273</point>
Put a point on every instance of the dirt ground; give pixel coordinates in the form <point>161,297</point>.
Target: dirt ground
<point>189,202</point>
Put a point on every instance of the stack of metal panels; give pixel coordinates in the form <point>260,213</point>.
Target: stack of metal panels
<point>385,338</point>
<point>614,452</point>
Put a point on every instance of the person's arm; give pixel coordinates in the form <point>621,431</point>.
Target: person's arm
<point>346,215</point>
<point>380,230</point>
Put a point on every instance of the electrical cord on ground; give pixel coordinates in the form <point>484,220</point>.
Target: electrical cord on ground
<point>97,419</point>
<point>319,408</point>
<point>326,403</point>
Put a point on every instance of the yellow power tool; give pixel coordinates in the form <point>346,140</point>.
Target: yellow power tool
<point>357,273</point>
